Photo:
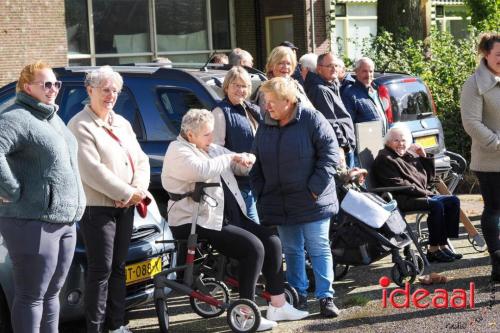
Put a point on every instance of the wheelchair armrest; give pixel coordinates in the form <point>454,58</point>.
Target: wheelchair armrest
<point>392,188</point>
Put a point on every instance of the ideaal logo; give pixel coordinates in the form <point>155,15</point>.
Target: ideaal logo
<point>422,298</point>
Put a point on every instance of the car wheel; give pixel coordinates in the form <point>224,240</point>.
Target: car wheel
<point>5,326</point>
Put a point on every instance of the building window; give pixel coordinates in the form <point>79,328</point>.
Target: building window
<point>340,10</point>
<point>128,31</point>
<point>278,29</point>
<point>453,19</point>
<point>355,28</point>
<point>77,26</point>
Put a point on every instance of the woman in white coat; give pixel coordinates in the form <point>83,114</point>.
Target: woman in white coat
<point>193,158</point>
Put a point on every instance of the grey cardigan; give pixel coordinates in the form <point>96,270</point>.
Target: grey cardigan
<point>38,164</point>
<point>480,109</point>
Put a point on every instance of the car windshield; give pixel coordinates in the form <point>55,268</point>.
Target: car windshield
<point>409,100</point>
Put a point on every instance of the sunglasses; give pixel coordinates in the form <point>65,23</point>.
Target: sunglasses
<point>47,85</point>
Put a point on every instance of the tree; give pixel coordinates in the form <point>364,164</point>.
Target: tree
<point>404,18</point>
<point>485,14</point>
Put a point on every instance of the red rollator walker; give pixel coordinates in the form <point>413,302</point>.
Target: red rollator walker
<point>209,297</point>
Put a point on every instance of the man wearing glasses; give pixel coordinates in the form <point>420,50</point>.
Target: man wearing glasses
<point>323,91</point>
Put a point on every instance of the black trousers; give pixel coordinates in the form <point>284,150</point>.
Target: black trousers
<point>256,249</point>
<point>489,182</point>
<point>106,234</point>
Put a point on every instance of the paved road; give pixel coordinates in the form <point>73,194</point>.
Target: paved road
<point>359,296</point>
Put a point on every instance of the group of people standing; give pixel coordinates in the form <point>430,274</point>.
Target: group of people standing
<point>275,160</point>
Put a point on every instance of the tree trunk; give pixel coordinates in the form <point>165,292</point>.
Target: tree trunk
<point>404,18</point>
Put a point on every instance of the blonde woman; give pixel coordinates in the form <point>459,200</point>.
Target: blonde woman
<point>282,62</point>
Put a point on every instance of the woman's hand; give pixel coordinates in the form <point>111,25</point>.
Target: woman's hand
<point>417,150</point>
<point>137,197</point>
<point>244,159</point>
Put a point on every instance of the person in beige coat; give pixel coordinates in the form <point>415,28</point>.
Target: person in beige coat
<point>115,175</point>
<point>222,218</point>
<point>480,109</point>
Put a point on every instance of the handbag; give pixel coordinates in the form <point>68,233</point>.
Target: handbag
<point>365,208</point>
<point>142,206</point>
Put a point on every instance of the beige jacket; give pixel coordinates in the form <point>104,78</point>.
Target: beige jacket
<point>104,165</point>
<point>480,109</point>
<point>183,166</point>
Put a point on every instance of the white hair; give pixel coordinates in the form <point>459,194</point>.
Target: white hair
<point>95,77</point>
<point>309,61</point>
<point>194,119</point>
<point>363,60</point>
<point>401,129</point>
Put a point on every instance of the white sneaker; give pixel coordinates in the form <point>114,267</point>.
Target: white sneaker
<point>122,329</point>
<point>266,325</point>
<point>286,312</point>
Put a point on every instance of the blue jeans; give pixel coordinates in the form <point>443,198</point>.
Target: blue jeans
<point>314,236</point>
<point>250,203</point>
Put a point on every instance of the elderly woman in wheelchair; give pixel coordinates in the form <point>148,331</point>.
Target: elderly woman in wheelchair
<point>222,218</point>
<point>402,163</point>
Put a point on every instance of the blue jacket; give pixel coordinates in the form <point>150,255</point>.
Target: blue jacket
<point>294,161</point>
<point>325,98</point>
<point>360,105</point>
<point>38,164</point>
<point>239,134</point>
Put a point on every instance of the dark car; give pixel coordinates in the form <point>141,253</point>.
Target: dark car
<point>407,99</point>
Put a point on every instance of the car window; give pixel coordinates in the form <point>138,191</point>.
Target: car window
<point>176,102</point>
<point>409,100</point>
<point>8,101</point>
<point>75,98</point>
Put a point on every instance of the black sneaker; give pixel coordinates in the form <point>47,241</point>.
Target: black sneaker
<point>302,305</point>
<point>452,254</point>
<point>438,256</point>
<point>328,308</point>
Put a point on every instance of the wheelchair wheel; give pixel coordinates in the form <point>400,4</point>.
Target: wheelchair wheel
<point>243,315</point>
<point>415,258</point>
<point>401,275</point>
<point>217,290</point>
<point>162,314</point>
<point>340,271</point>
<point>291,295</point>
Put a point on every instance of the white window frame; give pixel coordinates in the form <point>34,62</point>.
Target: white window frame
<point>268,30</point>
<point>153,37</point>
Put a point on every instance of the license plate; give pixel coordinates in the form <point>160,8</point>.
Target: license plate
<point>427,141</point>
<point>143,271</point>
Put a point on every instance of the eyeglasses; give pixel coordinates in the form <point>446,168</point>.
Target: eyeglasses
<point>47,85</point>
<point>284,64</point>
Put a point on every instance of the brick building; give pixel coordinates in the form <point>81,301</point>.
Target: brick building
<point>97,32</point>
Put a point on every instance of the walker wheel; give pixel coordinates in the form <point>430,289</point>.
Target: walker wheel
<point>407,272</point>
<point>215,289</point>
<point>243,315</point>
<point>291,295</point>
<point>162,313</point>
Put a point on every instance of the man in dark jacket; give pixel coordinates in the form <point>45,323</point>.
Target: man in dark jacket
<point>361,99</point>
<point>324,94</point>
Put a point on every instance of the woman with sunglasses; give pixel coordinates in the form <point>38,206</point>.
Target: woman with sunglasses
<point>115,175</point>
<point>41,198</point>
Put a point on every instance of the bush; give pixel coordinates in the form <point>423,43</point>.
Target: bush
<point>443,63</point>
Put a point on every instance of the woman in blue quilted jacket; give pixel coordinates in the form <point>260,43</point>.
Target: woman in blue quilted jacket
<point>292,179</point>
